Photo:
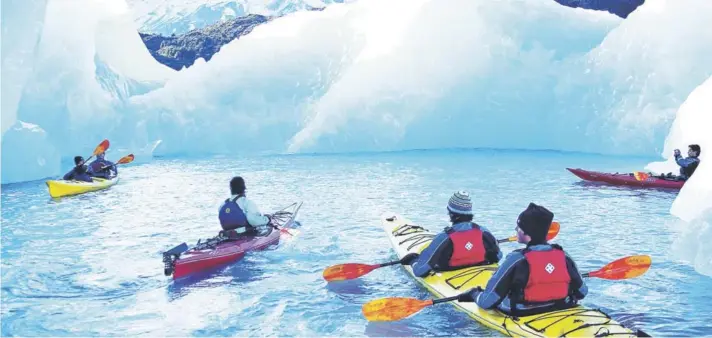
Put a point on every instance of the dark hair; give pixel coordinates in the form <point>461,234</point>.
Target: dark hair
<point>237,186</point>
<point>458,218</point>
<point>696,148</point>
<point>78,159</point>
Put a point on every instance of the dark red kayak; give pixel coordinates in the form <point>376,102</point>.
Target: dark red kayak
<point>181,261</point>
<point>626,179</point>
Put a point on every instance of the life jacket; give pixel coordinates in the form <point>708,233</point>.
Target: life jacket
<point>97,165</point>
<point>468,249</point>
<point>690,169</point>
<point>548,275</point>
<point>231,216</point>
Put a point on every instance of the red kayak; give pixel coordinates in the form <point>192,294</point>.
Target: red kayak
<point>626,179</point>
<point>181,261</point>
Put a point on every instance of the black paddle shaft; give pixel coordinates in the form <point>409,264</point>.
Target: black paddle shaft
<point>444,300</point>
<point>390,263</point>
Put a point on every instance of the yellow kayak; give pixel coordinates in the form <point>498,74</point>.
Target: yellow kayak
<point>61,188</point>
<point>580,321</point>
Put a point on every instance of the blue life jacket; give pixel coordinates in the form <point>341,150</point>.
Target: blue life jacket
<point>231,216</point>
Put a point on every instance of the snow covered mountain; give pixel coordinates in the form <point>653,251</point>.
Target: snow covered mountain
<point>168,17</point>
<point>179,51</point>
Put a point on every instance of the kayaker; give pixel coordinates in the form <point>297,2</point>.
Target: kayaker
<point>79,172</point>
<point>462,244</point>
<point>239,215</point>
<point>690,163</point>
<point>537,279</point>
<point>102,167</point>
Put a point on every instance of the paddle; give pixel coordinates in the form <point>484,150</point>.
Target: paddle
<point>347,271</point>
<point>99,149</point>
<point>396,308</point>
<point>124,160</point>
<point>553,231</point>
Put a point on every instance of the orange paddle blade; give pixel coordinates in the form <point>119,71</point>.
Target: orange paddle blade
<point>347,271</point>
<point>391,309</point>
<point>624,268</point>
<point>126,159</point>
<point>101,147</point>
<point>640,176</point>
<point>553,230</point>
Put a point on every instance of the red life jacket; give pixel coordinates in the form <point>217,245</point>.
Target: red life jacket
<point>548,276</point>
<point>467,248</point>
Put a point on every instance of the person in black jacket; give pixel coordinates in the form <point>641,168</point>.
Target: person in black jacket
<point>537,279</point>
<point>79,172</point>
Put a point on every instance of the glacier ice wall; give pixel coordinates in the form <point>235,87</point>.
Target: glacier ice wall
<point>377,75</point>
<point>22,23</point>
<point>28,152</point>
<point>424,74</point>
<point>693,205</point>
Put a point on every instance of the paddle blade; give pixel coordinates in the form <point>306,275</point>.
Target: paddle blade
<point>126,159</point>
<point>553,230</point>
<point>624,268</point>
<point>347,271</point>
<point>640,176</point>
<point>101,147</point>
<point>391,309</point>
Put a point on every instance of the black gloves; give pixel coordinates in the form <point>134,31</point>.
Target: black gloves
<point>409,258</point>
<point>470,296</point>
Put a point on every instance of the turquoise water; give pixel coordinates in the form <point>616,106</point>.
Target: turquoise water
<point>91,264</point>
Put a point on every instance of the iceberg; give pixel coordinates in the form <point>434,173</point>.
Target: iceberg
<point>694,203</point>
<point>22,23</point>
<point>28,154</point>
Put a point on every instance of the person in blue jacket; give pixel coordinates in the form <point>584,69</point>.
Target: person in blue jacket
<point>79,172</point>
<point>102,167</point>
<point>460,245</point>
<point>690,163</point>
<point>537,279</point>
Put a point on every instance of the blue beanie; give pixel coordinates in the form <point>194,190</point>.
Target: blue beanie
<point>460,203</point>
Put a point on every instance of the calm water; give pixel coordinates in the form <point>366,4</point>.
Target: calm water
<point>91,264</point>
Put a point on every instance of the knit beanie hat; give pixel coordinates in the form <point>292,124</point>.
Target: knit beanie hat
<point>535,222</point>
<point>460,203</point>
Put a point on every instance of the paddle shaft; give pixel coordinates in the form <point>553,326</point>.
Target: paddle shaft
<point>444,300</point>
<point>389,263</point>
